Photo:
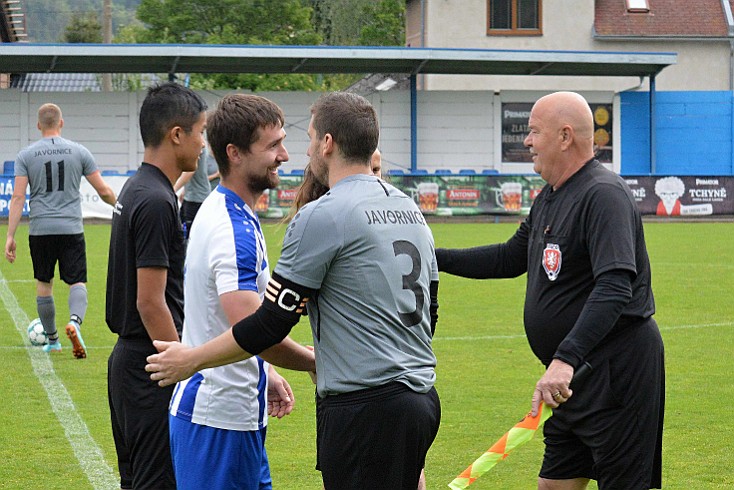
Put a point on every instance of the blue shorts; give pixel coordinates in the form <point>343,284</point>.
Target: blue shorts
<point>207,457</point>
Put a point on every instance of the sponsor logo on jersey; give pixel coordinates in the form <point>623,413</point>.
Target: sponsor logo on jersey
<point>552,261</point>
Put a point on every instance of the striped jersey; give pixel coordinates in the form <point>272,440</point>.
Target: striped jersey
<point>226,252</point>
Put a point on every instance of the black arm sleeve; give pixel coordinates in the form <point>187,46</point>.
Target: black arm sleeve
<point>472,263</point>
<point>509,259</point>
<point>279,313</point>
<point>612,291</point>
<point>434,306</point>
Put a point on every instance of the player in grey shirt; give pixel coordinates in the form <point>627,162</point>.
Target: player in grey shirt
<point>53,167</point>
<point>362,258</point>
<point>366,248</point>
<point>196,189</point>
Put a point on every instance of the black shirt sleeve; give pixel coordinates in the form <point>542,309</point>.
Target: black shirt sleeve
<point>433,309</point>
<point>155,225</point>
<point>502,260</point>
<point>612,291</point>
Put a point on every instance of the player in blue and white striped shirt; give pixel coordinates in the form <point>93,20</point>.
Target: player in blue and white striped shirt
<point>218,417</point>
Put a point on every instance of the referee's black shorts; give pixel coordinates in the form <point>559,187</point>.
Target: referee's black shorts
<point>69,251</point>
<point>139,415</point>
<point>610,430</point>
<point>375,438</point>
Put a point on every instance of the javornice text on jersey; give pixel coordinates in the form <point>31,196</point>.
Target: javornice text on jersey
<point>52,151</point>
<point>394,217</point>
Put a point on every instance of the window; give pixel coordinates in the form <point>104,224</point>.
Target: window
<point>637,6</point>
<point>514,17</point>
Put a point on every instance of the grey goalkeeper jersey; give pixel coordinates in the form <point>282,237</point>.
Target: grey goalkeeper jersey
<point>54,167</point>
<point>367,249</point>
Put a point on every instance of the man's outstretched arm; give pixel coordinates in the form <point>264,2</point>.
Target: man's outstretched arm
<point>268,326</point>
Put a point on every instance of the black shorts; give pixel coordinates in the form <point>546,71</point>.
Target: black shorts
<point>375,438</point>
<point>69,251</point>
<point>610,430</point>
<point>139,415</point>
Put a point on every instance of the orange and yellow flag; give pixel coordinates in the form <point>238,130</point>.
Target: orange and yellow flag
<point>521,433</point>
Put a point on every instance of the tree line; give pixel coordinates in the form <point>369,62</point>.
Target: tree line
<point>258,22</point>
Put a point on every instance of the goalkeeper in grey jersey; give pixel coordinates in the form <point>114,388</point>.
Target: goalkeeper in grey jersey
<point>361,260</point>
<point>53,167</point>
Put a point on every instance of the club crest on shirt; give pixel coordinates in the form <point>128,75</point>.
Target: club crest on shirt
<point>552,260</point>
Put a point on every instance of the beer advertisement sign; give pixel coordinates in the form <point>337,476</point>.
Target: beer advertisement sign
<point>473,194</point>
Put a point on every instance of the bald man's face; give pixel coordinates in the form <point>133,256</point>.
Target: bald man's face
<point>561,136</point>
<point>544,141</point>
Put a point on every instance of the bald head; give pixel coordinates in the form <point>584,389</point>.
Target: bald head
<point>561,137</point>
<point>570,108</point>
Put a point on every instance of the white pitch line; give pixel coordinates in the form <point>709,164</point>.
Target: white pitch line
<point>522,336</point>
<point>86,450</point>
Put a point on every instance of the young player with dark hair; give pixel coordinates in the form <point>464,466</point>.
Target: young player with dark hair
<point>145,282</point>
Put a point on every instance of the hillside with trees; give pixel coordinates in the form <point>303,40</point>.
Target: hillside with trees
<point>47,20</point>
<point>259,22</point>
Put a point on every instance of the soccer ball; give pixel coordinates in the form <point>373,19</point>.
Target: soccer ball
<point>36,333</point>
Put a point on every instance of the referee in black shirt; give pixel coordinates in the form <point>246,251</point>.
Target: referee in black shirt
<point>588,300</point>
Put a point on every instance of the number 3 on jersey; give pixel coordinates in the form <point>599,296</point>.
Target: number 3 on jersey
<point>50,176</point>
<point>410,282</point>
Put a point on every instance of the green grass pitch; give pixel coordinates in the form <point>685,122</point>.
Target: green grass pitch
<point>486,372</point>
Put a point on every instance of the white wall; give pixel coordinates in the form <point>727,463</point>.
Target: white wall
<point>455,129</point>
<point>107,123</point>
<point>103,123</point>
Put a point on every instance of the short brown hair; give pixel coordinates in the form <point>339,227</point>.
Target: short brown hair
<point>49,116</point>
<point>237,120</point>
<point>351,121</point>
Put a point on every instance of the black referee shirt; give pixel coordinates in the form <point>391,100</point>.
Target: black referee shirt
<point>589,226</point>
<point>146,232</point>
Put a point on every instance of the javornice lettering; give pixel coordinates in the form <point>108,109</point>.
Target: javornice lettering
<point>53,151</point>
<point>394,217</point>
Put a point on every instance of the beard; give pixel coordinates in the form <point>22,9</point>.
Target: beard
<point>261,183</point>
<point>320,170</point>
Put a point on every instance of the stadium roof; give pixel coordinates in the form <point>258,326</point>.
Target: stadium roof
<point>57,82</point>
<point>193,58</point>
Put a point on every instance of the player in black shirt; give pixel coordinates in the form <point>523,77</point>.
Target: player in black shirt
<point>145,282</point>
<point>588,300</point>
